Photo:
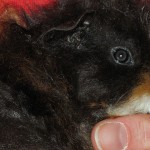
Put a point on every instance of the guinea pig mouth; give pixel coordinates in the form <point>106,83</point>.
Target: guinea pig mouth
<point>138,100</point>
<point>135,105</point>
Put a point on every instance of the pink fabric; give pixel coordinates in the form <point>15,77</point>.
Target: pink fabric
<point>27,5</point>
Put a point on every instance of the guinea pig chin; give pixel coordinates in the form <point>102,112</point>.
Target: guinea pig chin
<point>137,102</point>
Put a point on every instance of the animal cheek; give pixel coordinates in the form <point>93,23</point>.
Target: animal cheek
<point>91,90</point>
<point>137,102</point>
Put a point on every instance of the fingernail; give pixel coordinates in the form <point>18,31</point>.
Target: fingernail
<point>111,135</point>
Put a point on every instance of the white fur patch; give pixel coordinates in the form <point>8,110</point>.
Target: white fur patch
<point>136,105</point>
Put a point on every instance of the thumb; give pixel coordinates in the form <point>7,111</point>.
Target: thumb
<point>123,133</point>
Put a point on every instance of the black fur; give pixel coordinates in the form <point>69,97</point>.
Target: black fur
<point>55,86</point>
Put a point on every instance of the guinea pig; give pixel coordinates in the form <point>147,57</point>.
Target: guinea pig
<point>57,82</point>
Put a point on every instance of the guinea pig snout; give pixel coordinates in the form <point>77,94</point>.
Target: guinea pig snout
<point>137,102</point>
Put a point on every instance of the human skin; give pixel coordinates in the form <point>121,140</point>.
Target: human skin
<point>123,133</point>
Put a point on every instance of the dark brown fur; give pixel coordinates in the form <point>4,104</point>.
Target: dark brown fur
<point>56,84</point>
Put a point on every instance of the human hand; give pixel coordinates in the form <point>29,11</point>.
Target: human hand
<point>123,133</point>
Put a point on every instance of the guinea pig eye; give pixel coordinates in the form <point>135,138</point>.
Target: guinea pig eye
<point>122,56</point>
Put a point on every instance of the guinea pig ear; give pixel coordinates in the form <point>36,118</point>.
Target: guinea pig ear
<point>58,32</point>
